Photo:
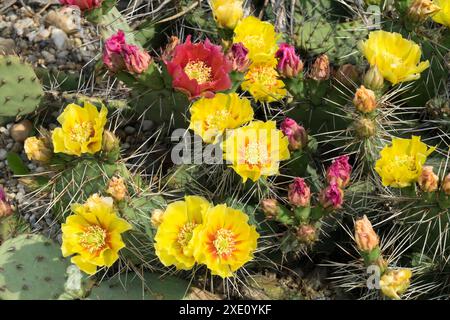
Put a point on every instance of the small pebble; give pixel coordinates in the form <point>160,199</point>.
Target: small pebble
<point>3,154</point>
<point>21,130</point>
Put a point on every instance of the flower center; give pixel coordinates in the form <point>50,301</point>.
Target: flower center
<point>224,242</point>
<point>254,154</point>
<point>254,41</point>
<point>93,239</point>
<point>265,76</point>
<point>404,160</point>
<point>81,132</point>
<point>185,234</point>
<point>217,119</point>
<point>198,70</point>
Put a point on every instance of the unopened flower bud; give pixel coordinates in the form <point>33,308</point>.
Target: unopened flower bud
<point>297,136</point>
<point>289,63</point>
<point>157,217</point>
<point>373,79</point>
<point>365,128</point>
<point>270,208</point>
<point>420,10</point>
<point>394,283</point>
<point>117,188</point>
<point>5,207</point>
<point>167,54</point>
<point>365,100</point>
<point>227,13</point>
<point>238,56</point>
<point>332,197</point>
<point>347,74</point>
<point>299,194</point>
<point>110,141</point>
<point>365,237</point>
<point>446,185</point>
<point>307,233</point>
<point>321,68</point>
<point>83,4</point>
<point>37,149</point>
<point>118,55</point>
<point>428,180</point>
<point>339,172</point>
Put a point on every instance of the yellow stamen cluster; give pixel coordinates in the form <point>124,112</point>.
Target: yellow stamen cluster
<point>198,70</point>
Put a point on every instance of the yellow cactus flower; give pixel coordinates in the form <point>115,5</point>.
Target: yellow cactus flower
<point>225,241</point>
<point>37,149</point>
<point>256,150</point>
<point>211,117</point>
<point>173,239</point>
<point>400,164</point>
<point>394,283</point>
<point>263,83</point>
<point>81,130</point>
<point>259,37</point>
<point>93,235</point>
<point>443,15</point>
<point>227,13</point>
<point>397,59</point>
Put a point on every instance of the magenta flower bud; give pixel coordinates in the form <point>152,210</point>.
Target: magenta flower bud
<point>299,193</point>
<point>5,207</point>
<point>238,56</point>
<point>289,63</point>
<point>83,4</point>
<point>331,197</point>
<point>297,136</point>
<point>339,172</point>
<point>118,55</point>
<point>136,61</point>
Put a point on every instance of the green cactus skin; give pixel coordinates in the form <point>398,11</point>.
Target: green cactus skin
<point>31,267</point>
<point>114,21</point>
<point>76,184</point>
<point>20,89</point>
<point>139,240</point>
<point>338,40</point>
<point>149,286</point>
<point>11,226</point>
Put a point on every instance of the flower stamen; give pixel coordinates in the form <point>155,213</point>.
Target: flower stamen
<point>224,242</point>
<point>93,238</point>
<point>198,70</point>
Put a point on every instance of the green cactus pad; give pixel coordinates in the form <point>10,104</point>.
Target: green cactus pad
<point>20,89</point>
<point>31,267</point>
<point>150,286</point>
<point>76,184</point>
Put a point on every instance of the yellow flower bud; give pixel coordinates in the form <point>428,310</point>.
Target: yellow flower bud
<point>420,10</point>
<point>227,13</point>
<point>321,68</point>
<point>446,185</point>
<point>117,188</point>
<point>365,128</point>
<point>157,217</point>
<point>37,149</point>
<point>373,79</point>
<point>395,282</point>
<point>110,141</point>
<point>428,180</point>
<point>365,100</point>
<point>365,237</point>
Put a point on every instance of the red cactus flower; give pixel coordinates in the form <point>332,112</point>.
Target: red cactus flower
<point>83,4</point>
<point>199,69</point>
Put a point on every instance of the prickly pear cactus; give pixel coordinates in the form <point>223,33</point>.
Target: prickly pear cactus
<point>20,89</point>
<point>76,184</point>
<point>31,267</point>
<point>148,286</point>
